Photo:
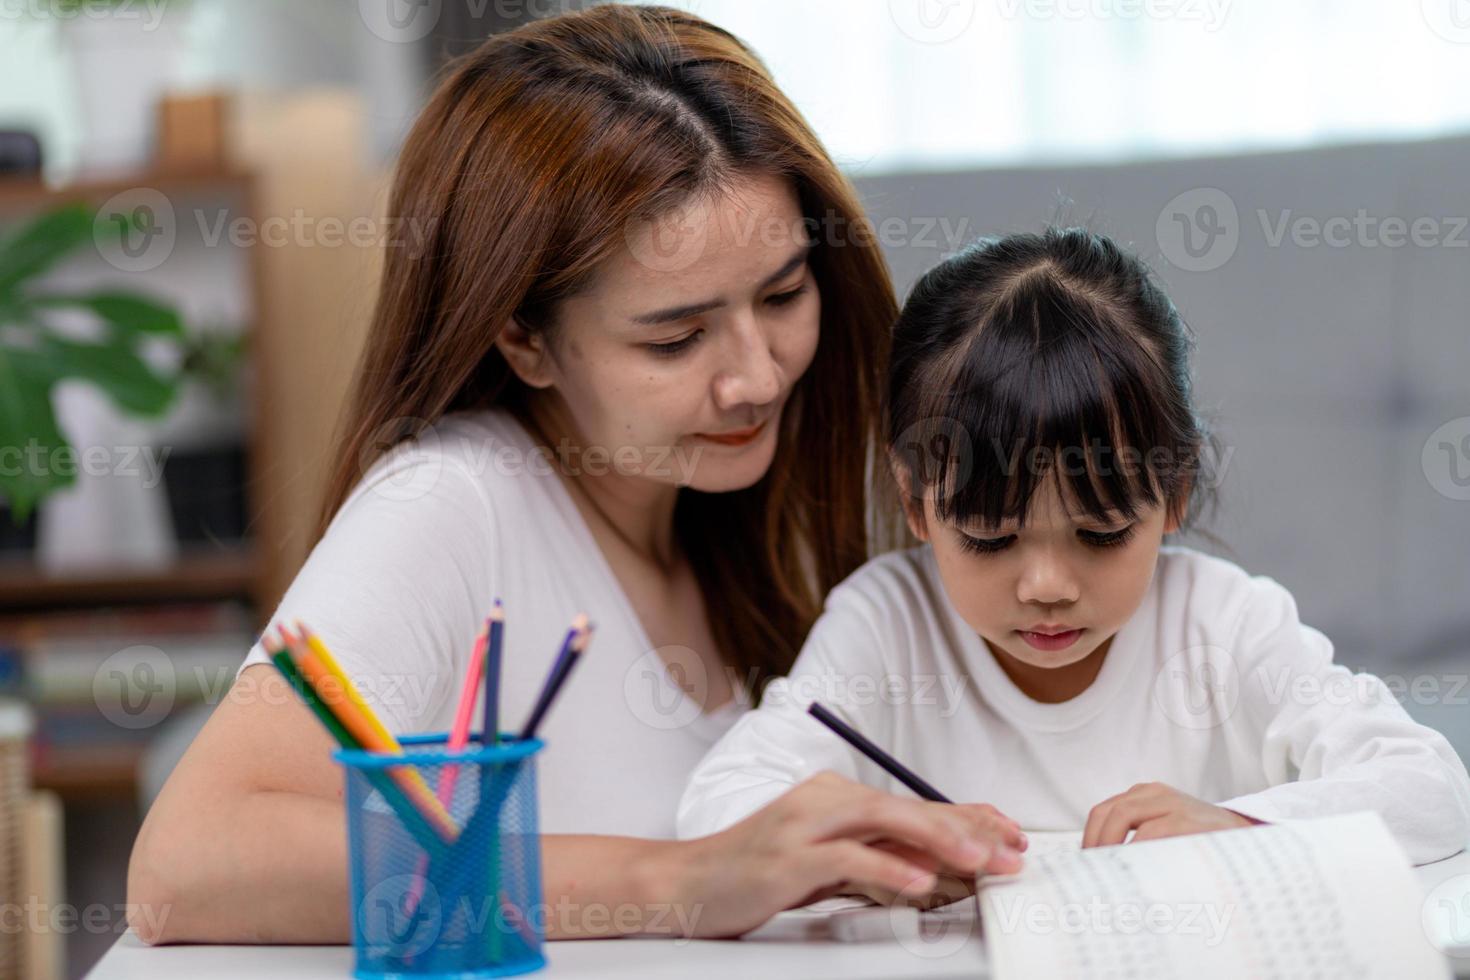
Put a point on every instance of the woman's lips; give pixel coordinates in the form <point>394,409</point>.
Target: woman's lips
<point>738,437</point>
<point>1050,642</point>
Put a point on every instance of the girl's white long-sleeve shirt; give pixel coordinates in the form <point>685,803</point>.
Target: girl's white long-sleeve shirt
<point>1213,687</point>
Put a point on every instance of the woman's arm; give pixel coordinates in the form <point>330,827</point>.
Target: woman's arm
<point>247,844</point>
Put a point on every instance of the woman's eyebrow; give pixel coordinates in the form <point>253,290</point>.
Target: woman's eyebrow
<point>674,313</point>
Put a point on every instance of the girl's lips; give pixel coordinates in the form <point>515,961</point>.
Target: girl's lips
<point>1052,642</point>
<point>740,437</point>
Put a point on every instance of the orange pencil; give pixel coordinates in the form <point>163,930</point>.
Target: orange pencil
<point>336,692</point>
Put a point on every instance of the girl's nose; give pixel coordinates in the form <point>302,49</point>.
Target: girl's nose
<point>752,376</point>
<point>1046,581</point>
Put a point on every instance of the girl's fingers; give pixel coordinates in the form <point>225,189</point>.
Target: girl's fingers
<point>1128,814</point>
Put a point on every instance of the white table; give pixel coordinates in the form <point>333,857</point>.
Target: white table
<point>957,952</point>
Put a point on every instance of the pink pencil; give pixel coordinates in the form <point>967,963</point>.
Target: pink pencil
<point>459,737</point>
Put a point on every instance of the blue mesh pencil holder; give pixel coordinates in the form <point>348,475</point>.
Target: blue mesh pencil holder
<point>444,890</point>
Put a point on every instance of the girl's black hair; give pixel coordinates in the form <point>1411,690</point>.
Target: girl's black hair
<point>1036,354</point>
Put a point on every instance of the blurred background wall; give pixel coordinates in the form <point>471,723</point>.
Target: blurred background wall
<point>1295,173</point>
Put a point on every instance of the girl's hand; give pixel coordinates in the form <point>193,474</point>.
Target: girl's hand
<point>829,836</point>
<point>1153,810</point>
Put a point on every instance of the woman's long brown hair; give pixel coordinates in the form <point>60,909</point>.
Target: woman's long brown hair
<point>521,175</point>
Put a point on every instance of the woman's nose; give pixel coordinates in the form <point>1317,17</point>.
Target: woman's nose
<point>752,376</point>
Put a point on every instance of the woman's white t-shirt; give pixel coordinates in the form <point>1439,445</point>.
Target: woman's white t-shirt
<point>400,585</point>
<point>1213,687</point>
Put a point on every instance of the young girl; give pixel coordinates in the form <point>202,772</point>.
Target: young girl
<point>1041,651</point>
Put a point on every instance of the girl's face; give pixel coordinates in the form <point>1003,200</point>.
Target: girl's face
<point>1051,594</point>
<point>678,360</point>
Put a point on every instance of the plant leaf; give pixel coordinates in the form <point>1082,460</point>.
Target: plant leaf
<point>127,313</point>
<point>39,244</point>
<point>117,370</point>
<point>29,436</point>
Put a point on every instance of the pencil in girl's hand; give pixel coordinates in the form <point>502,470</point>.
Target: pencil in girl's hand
<point>491,732</point>
<point>860,742</point>
<point>571,649</point>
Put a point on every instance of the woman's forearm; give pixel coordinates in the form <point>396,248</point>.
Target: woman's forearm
<point>266,867</point>
<point>600,886</point>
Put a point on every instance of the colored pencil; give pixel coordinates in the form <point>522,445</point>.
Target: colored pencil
<point>571,650</point>
<point>860,742</point>
<point>338,694</point>
<point>490,733</point>
<point>413,821</point>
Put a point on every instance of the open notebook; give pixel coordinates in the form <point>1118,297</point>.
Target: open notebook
<point>1331,897</point>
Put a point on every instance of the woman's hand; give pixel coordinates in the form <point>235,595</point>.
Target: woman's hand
<point>1153,810</point>
<point>828,836</point>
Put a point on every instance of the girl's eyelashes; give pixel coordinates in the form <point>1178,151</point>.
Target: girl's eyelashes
<point>1096,539</point>
<point>1108,539</point>
<point>985,546</point>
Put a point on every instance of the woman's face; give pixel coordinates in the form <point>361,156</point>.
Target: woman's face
<point>676,363</point>
<point>1075,578</point>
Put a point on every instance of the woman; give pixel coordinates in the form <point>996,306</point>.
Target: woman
<point>638,387</point>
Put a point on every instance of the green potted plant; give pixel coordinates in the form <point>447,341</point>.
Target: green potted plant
<point>37,354</point>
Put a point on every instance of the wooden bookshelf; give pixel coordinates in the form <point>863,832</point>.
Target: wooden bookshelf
<point>223,574</point>
<point>28,193</point>
<point>107,771</point>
